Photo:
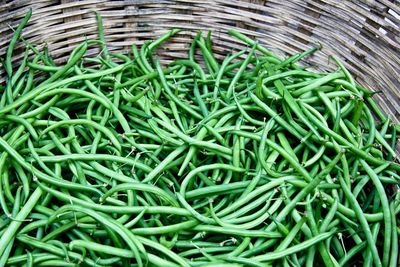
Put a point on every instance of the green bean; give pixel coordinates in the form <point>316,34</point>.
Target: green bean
<point>115,209</point>
<point>383,142</point>
<point>100,28</point>
<point>245,261</point>
<point>393,142</point>
<point>105,131</point>
<point>385,209</point>
<point>250,42</point>
<point>172,96</point>
<point>352,252</point>
<point>132,241</point>
<point>220,74</point>
<point>368,254</point>
<point>326,256</point>
<point>342,125</point>
<point>25,123</point>
<point>291,235</point>
<point>13,138</point>
<point>40,174</point>
<point>149,188</point>
<point>230,231</point>
<point>316,83</point>
<point>11,47</point>
<point>306,190</point>
<point>207,53</point>
<point>164,250</point>
<point>14,214</point>
<point>192,150</point>
<point>74,58</point>
<point>237,76</point>
<point>36,243</point>
<point>162,166</point>
<point>394,252</point>
<point>101,248</point>
<point>45,87</point>
<point>191,141</point>
<point>17,75</point>
<point>216,189</point>
<point>250,224</point>
<point>56,263</point>
<point>345,71</point>
<point>173,228</point>
<point>238,203</point>
<point>351,147</point>
<point>293,249</point>
<point>362,220</point>
<point>37,257</point>
<point>296,57</point>
<point>16,223</point>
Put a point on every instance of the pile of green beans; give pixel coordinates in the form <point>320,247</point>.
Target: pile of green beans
<point>116,160</point>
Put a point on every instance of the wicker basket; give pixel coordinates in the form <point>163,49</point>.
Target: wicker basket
<point>364,33</point>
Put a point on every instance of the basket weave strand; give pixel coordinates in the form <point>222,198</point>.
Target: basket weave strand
<point>365,34</point>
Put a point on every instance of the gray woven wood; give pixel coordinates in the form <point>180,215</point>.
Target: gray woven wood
<point>364,34</point>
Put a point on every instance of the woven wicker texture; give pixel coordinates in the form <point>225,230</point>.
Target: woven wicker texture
<point>365,34</point>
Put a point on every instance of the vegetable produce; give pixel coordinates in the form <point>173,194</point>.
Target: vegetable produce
<point>116,160</point>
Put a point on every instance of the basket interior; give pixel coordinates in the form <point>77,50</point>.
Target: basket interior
<point>364,34</point>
